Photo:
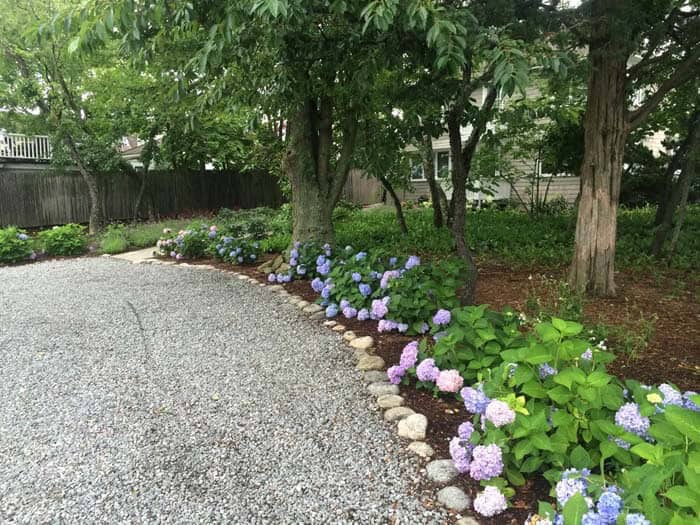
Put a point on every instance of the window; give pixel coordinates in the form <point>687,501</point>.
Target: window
<point>416,169</point>
<point>442,164</point>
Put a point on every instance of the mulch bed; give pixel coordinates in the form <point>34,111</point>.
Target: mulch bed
<point>673,353</point>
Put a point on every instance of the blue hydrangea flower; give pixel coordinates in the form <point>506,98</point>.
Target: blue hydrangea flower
<point>592,518</point>
<point>326,292</point>
<point>360,255</point>
<point>212,234</point>
<point>671,395</point>
<point>572,482</point>
<point>324,269</point>
<point>320,260</point>
<point>356,277</point>
<point>22,236</point>
<point>688,402</point>
<point>442,317</point>
<point>294,253</point>
<point>545,370</point>
<point>609,506</point>
<point>636,519</point>
<point>475,401</point>
<point>271,278</point>
<point>487,462</point>
<point>392,261</point>
<point>317,285</point>
<point>332,310</point>
<point>301,269</point>
<point>363,314</point>
<point>292,262</point>
<point>365,289</point>
<point>629,418</point>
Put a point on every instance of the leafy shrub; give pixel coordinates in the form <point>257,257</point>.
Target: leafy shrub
<point>69,239</point>
<point>114,239</point>
<point>191,243</point>
<point>15,245</point>
<point>237,251</point>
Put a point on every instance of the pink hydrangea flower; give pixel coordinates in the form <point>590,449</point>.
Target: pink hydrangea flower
<point>499,413</point>
<point>449,381</point>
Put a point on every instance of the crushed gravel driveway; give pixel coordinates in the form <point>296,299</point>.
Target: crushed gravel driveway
<point>156,394</point>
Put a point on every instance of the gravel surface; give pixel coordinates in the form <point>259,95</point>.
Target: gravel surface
<point>137,393</point>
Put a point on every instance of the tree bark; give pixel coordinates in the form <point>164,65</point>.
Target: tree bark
<point>437,194</point>
<point>683,159</point>
<point>397,204</point>
<point>606,129</point>
<point>316,184</point>
<point>460,174</point>
<point>96,211</point>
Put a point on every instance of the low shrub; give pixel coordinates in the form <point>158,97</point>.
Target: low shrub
<point>69,239</point>
<point>15,245</point>
<point>237,251</point>
<point>114,239</point>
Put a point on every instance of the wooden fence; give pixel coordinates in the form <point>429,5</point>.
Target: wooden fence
<point>32,195</point>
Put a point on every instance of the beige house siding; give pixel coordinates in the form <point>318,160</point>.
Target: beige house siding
<point>566,187</point>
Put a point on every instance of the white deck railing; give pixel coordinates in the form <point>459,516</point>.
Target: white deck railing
<point>15,146</point>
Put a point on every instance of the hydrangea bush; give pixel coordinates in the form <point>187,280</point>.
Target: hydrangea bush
<point>15,245</point>
<point>69,239</point>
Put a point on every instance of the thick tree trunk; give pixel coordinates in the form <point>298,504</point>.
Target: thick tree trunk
<point>606,130</point>
<point>460,174</point>
<point>683,159</point>
<point>437,194</point>
<point>316,182</point>
<point>397,204</point>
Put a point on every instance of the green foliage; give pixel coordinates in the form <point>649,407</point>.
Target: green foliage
<point>69,239</point>
<point>424,290</point>
<point>114,239</point>
<point>474,340</point>
<point>15,245</point>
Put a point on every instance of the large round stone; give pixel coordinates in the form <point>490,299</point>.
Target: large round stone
<point>413,427</point>
<point>441,471</point>
<point>454,498</point>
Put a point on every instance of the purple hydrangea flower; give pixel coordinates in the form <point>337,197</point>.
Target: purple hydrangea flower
<point>402,327</point>
<point>671,395</point>
<point>392,261</point>
<point>271,278</point>
<point>461,455</point>
<point>409,355</point>
<point>609,506</point>
<point>379,309</point>
<point>587,355</point>
<point>360,255</point>
<point>212,234</point>
<point>317,285</point>
<point>344,303</point>
<point>442,317</point>
<point>487,462</point>
<point>388,276</point>
<point>294,253</point>
<point>356,277</point>
<point>297,244</point>
<point>465,430</point>
<point>349,312</point>
<point>320,260</point>
<point>688,402</point>
<point>475,401</point>
<point>427,371</point>
<point>386,325</point>
<point>424,328</point>
<point>173,254</point>
<point>636,519</point>
<point>395,374</point>
<point>572,481</point>
<point>545,370</point>
<point>363,314</point>
<point>301,269</point>
<point>365,289</point>
<point>326,292</point>
<point>412,262</point>
<point>292,262</point>
<point>490,502</point>
<point>324,269</point>
<point>629,418</point>
<point>499,413</point>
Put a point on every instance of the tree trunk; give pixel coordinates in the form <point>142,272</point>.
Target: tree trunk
<point>606,130</point>
<point>437,194</point>
<point>142,190</point>
<point>96,211</point>
<point>316,185</point>
<point>397,204</point>
<point>683,159</point>
<point>458,204</point>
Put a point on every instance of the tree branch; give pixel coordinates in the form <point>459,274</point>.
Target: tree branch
<point>685,70</point>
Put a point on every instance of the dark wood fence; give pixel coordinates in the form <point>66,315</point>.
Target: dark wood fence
<point>34,195</point>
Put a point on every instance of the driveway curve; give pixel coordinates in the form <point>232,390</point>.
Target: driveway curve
<point>155,394</point>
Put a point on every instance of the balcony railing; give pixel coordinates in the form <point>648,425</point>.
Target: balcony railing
<point>32,148</point>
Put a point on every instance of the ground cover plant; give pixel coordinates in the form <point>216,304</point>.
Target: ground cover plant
<point>15,245</point>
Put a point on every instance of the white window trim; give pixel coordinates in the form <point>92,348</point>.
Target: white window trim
<point>435,166</point>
